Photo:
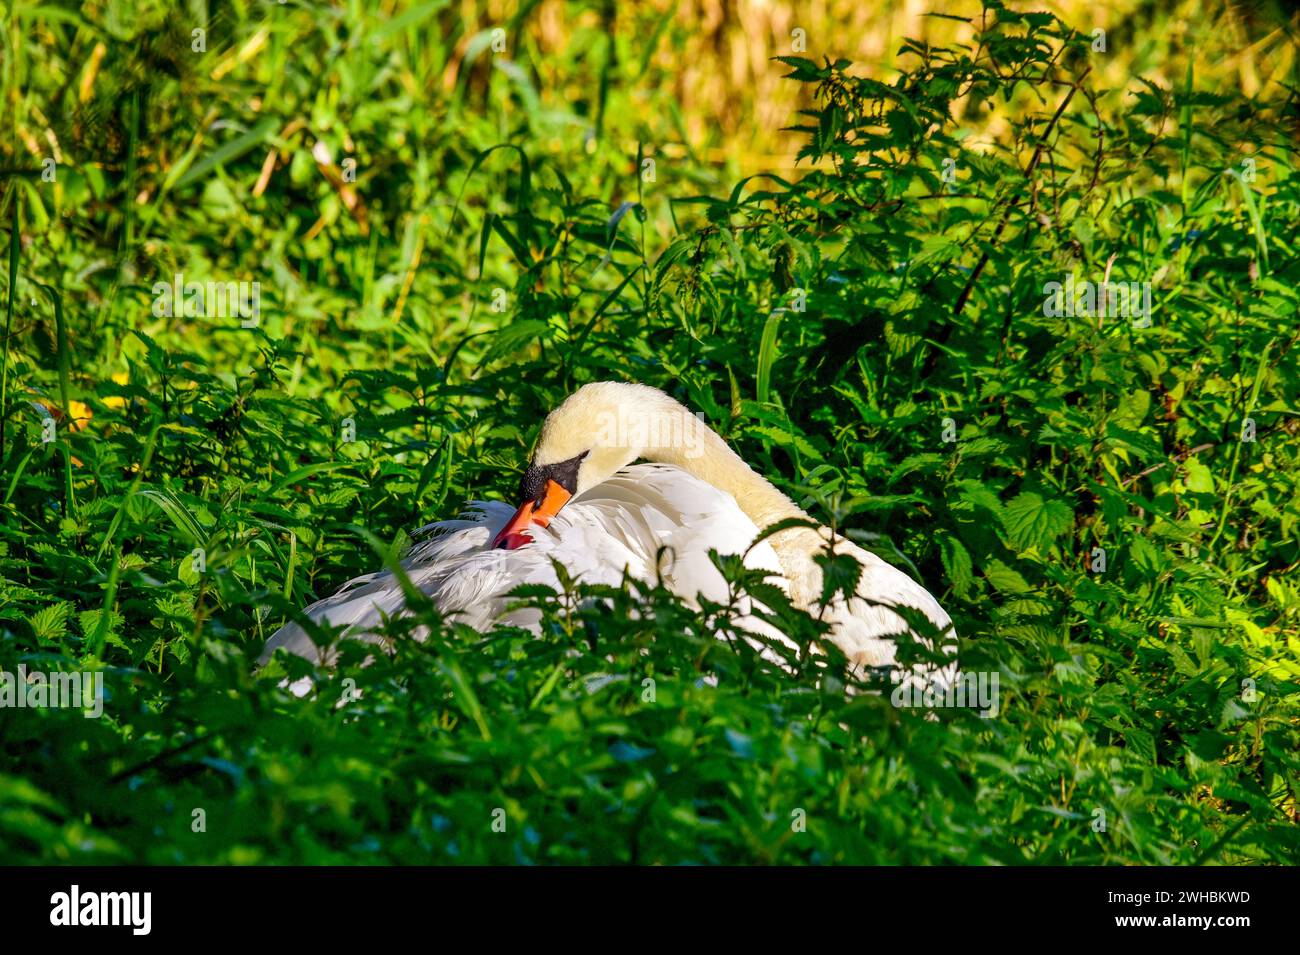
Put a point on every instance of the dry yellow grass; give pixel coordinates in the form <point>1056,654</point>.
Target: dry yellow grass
<point>715,56</point>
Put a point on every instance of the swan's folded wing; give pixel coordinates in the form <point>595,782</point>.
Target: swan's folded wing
<point>454,564</point>
<point>618,527</point>
<point>868,628</point>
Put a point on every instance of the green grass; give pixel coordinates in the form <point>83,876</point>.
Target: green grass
<point>484,263</point>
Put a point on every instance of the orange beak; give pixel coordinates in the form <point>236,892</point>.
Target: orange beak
<point>531,512</point>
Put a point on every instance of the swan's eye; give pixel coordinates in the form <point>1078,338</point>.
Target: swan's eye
<point>532,486</point>
<point>565,473</point>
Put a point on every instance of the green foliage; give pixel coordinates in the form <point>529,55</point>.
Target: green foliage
<point>873,336</point>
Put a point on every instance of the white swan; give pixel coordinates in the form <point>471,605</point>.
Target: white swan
<point>587,506</point>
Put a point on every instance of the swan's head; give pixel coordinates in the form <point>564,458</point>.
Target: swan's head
<point>597,430</point>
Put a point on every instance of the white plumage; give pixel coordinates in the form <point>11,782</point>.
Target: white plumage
<point>587,506</point>
<point>621,523</point>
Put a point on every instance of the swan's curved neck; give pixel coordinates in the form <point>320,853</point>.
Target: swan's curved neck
<point>608,425</point>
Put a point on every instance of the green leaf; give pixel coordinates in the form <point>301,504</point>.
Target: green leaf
<point>956,563</point>
<point>1142,743</point>
<point>840,574</point>
<point>1031,521</point>
<point>767,354</point>
<point>1197,477</point>
<point>51,623</point>
<point>1004,579</point>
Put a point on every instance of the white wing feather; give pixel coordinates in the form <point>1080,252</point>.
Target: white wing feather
<point>619,525</point>
<point>867,628</point>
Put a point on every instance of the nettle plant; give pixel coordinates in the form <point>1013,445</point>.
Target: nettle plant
<point>1114,494</point>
